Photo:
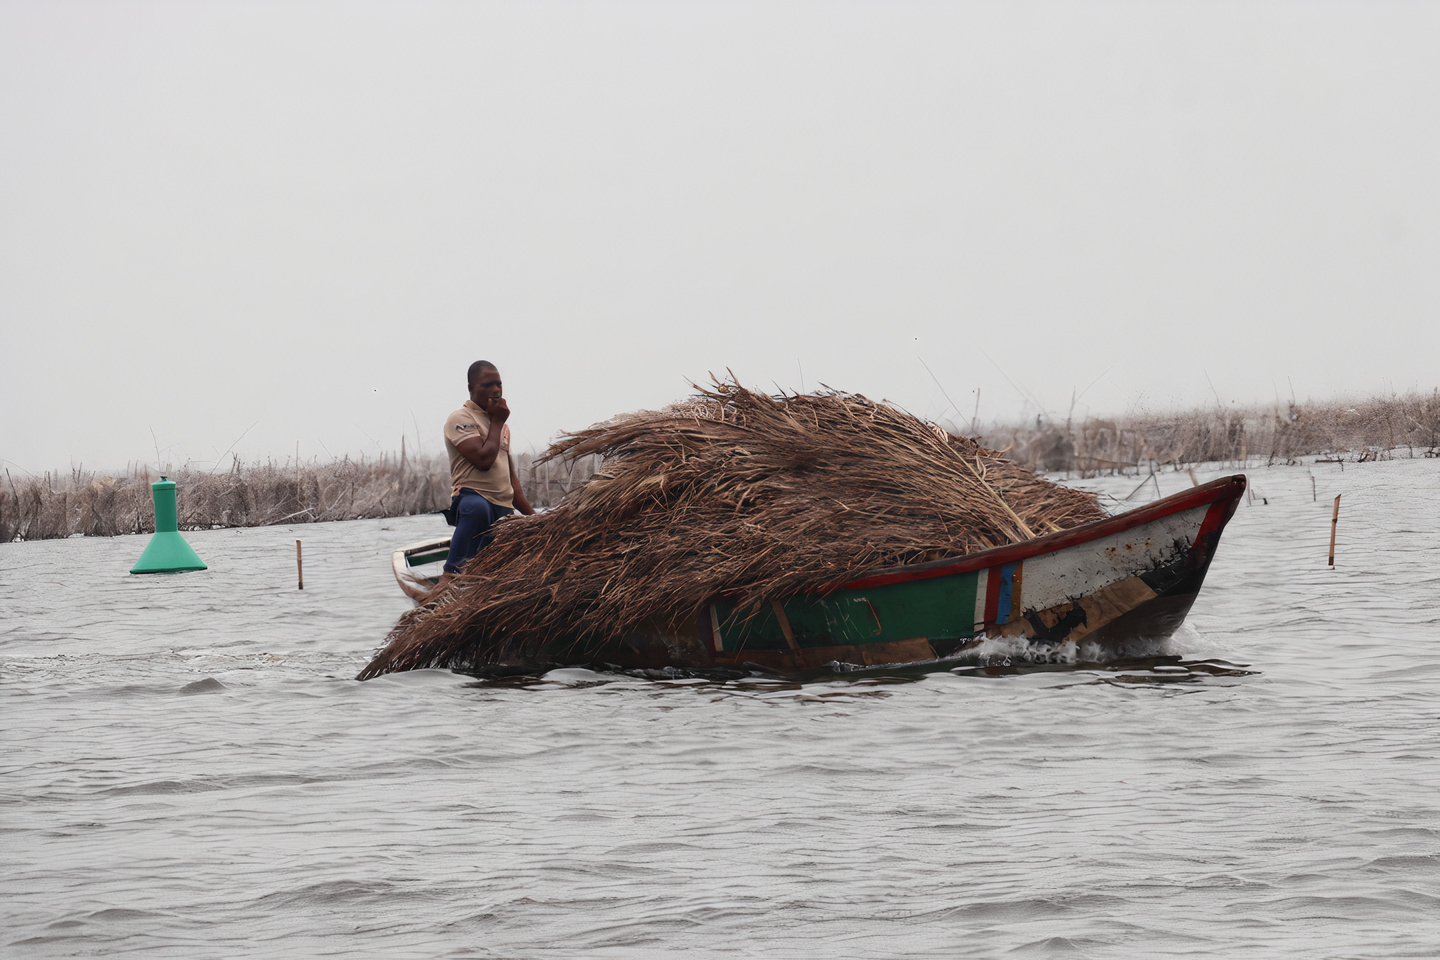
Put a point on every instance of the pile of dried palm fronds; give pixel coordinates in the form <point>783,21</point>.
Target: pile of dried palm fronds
<point>731,493</point>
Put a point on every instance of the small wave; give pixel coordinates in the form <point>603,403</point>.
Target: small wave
<point>333,892</point>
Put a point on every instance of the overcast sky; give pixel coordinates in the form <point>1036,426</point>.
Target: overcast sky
<point>239,228</point>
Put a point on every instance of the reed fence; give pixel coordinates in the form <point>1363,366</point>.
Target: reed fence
<point>55,505</point>
<point>1374,429</point>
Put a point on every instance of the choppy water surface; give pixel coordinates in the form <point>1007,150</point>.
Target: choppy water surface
<point>189,771</point>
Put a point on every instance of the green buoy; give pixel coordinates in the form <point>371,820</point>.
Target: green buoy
<point>167,551</point>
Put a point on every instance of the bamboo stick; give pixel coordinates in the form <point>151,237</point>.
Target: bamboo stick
<point>785,627</point>
<point>299,566</point>
<point>1334,521</point>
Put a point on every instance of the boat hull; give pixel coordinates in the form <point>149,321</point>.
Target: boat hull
<point>1109,582</point>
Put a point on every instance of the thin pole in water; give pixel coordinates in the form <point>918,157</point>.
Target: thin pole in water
<point>1334,520</point>
<point>300,566</point>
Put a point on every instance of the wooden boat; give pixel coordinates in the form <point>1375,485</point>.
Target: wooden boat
<point>417,568</point>
<point>1122,578</point>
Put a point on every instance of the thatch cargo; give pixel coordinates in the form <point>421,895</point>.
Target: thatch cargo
<point>731,494</point>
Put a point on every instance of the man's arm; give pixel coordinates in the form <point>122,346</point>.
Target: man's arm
<point>482,451</point>
<point>521,503</point>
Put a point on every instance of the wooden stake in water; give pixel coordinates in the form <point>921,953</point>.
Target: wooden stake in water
<point>300,566</point>
<point>1334,521</point>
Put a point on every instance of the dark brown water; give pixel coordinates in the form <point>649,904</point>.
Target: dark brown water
<point>187,770</point>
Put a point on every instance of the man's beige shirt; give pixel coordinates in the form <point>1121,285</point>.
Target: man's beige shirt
<point>492,484</point>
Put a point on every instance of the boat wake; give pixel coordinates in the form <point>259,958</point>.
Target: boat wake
<point>1175,658</point>
<point>1180,657</point>
<point>1000,650</point>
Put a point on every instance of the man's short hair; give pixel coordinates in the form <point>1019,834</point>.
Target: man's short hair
<point>475,369</point>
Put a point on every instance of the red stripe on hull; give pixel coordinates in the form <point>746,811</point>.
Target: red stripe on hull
<point>1224,493</point>
<point>992,594</point>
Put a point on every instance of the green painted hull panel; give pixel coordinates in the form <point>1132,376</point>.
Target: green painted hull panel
<point>941,608</point>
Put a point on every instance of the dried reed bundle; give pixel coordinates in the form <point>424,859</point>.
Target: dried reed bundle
<point>731,493</point>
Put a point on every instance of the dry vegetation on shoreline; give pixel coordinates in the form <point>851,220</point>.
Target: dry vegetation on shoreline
<point>1374,429</point>
<point>56,505</point>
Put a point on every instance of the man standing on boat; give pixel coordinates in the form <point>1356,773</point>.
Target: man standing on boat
<point>483,484</point>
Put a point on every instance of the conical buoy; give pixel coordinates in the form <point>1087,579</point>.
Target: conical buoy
<point>167,551</point>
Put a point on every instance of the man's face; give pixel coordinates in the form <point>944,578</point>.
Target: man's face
<point>486,389</point>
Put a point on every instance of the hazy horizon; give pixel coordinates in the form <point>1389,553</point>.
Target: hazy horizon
<point>234,228</point>
<point>407,444</point>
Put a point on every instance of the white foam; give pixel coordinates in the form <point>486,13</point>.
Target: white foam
<point>1021,650</point>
